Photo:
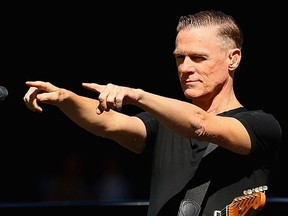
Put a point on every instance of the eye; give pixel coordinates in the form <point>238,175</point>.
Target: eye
<point>198,58</point>
<point>179,58</point>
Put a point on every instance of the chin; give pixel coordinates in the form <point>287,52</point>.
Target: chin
<point>188,95</point>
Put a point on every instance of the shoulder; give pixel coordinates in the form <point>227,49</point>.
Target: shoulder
<point>253,117</point>
<point>259,119</point>
<point>262,127</point>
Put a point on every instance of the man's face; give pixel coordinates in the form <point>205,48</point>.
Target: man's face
<point>201,62</point>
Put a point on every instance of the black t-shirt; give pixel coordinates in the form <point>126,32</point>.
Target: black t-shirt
<point>178,165</point>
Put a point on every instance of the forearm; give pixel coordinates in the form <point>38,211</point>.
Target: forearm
<point>182,117</point>
<point>123,129</point>
<point>82,111</point>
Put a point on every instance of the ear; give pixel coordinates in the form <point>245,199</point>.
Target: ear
<point>234,58</point>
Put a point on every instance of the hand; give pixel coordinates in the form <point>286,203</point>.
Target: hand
<point>111,96</point>
<point>41,91</point>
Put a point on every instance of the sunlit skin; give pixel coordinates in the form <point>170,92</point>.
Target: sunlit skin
<point>206,67</point>
<point>203,69</point>
<point>178,133</point>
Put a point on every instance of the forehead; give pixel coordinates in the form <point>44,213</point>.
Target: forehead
<point>198,36</point>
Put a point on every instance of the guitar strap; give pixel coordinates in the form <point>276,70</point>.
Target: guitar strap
<point>191,204</point>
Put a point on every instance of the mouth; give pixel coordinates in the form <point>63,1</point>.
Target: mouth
<point>191,82</point>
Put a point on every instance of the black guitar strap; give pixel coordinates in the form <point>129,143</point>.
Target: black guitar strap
<point>191,204</point>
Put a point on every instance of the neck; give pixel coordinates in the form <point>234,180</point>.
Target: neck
<point>218,104</point>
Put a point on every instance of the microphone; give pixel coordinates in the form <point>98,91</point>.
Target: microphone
<point>3,93</point>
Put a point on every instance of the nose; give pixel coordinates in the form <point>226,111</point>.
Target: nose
<point>187,65</point>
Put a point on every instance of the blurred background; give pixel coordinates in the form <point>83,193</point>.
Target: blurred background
<point>46,157</point>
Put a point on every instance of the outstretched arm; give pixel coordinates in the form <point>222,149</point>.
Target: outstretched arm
<point>185,118</point>
<point>126,130</point>
<point>100,118</point>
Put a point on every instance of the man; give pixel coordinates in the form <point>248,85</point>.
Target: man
<point>244,143</point>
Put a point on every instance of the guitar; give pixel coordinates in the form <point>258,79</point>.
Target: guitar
<point>253,199</point>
